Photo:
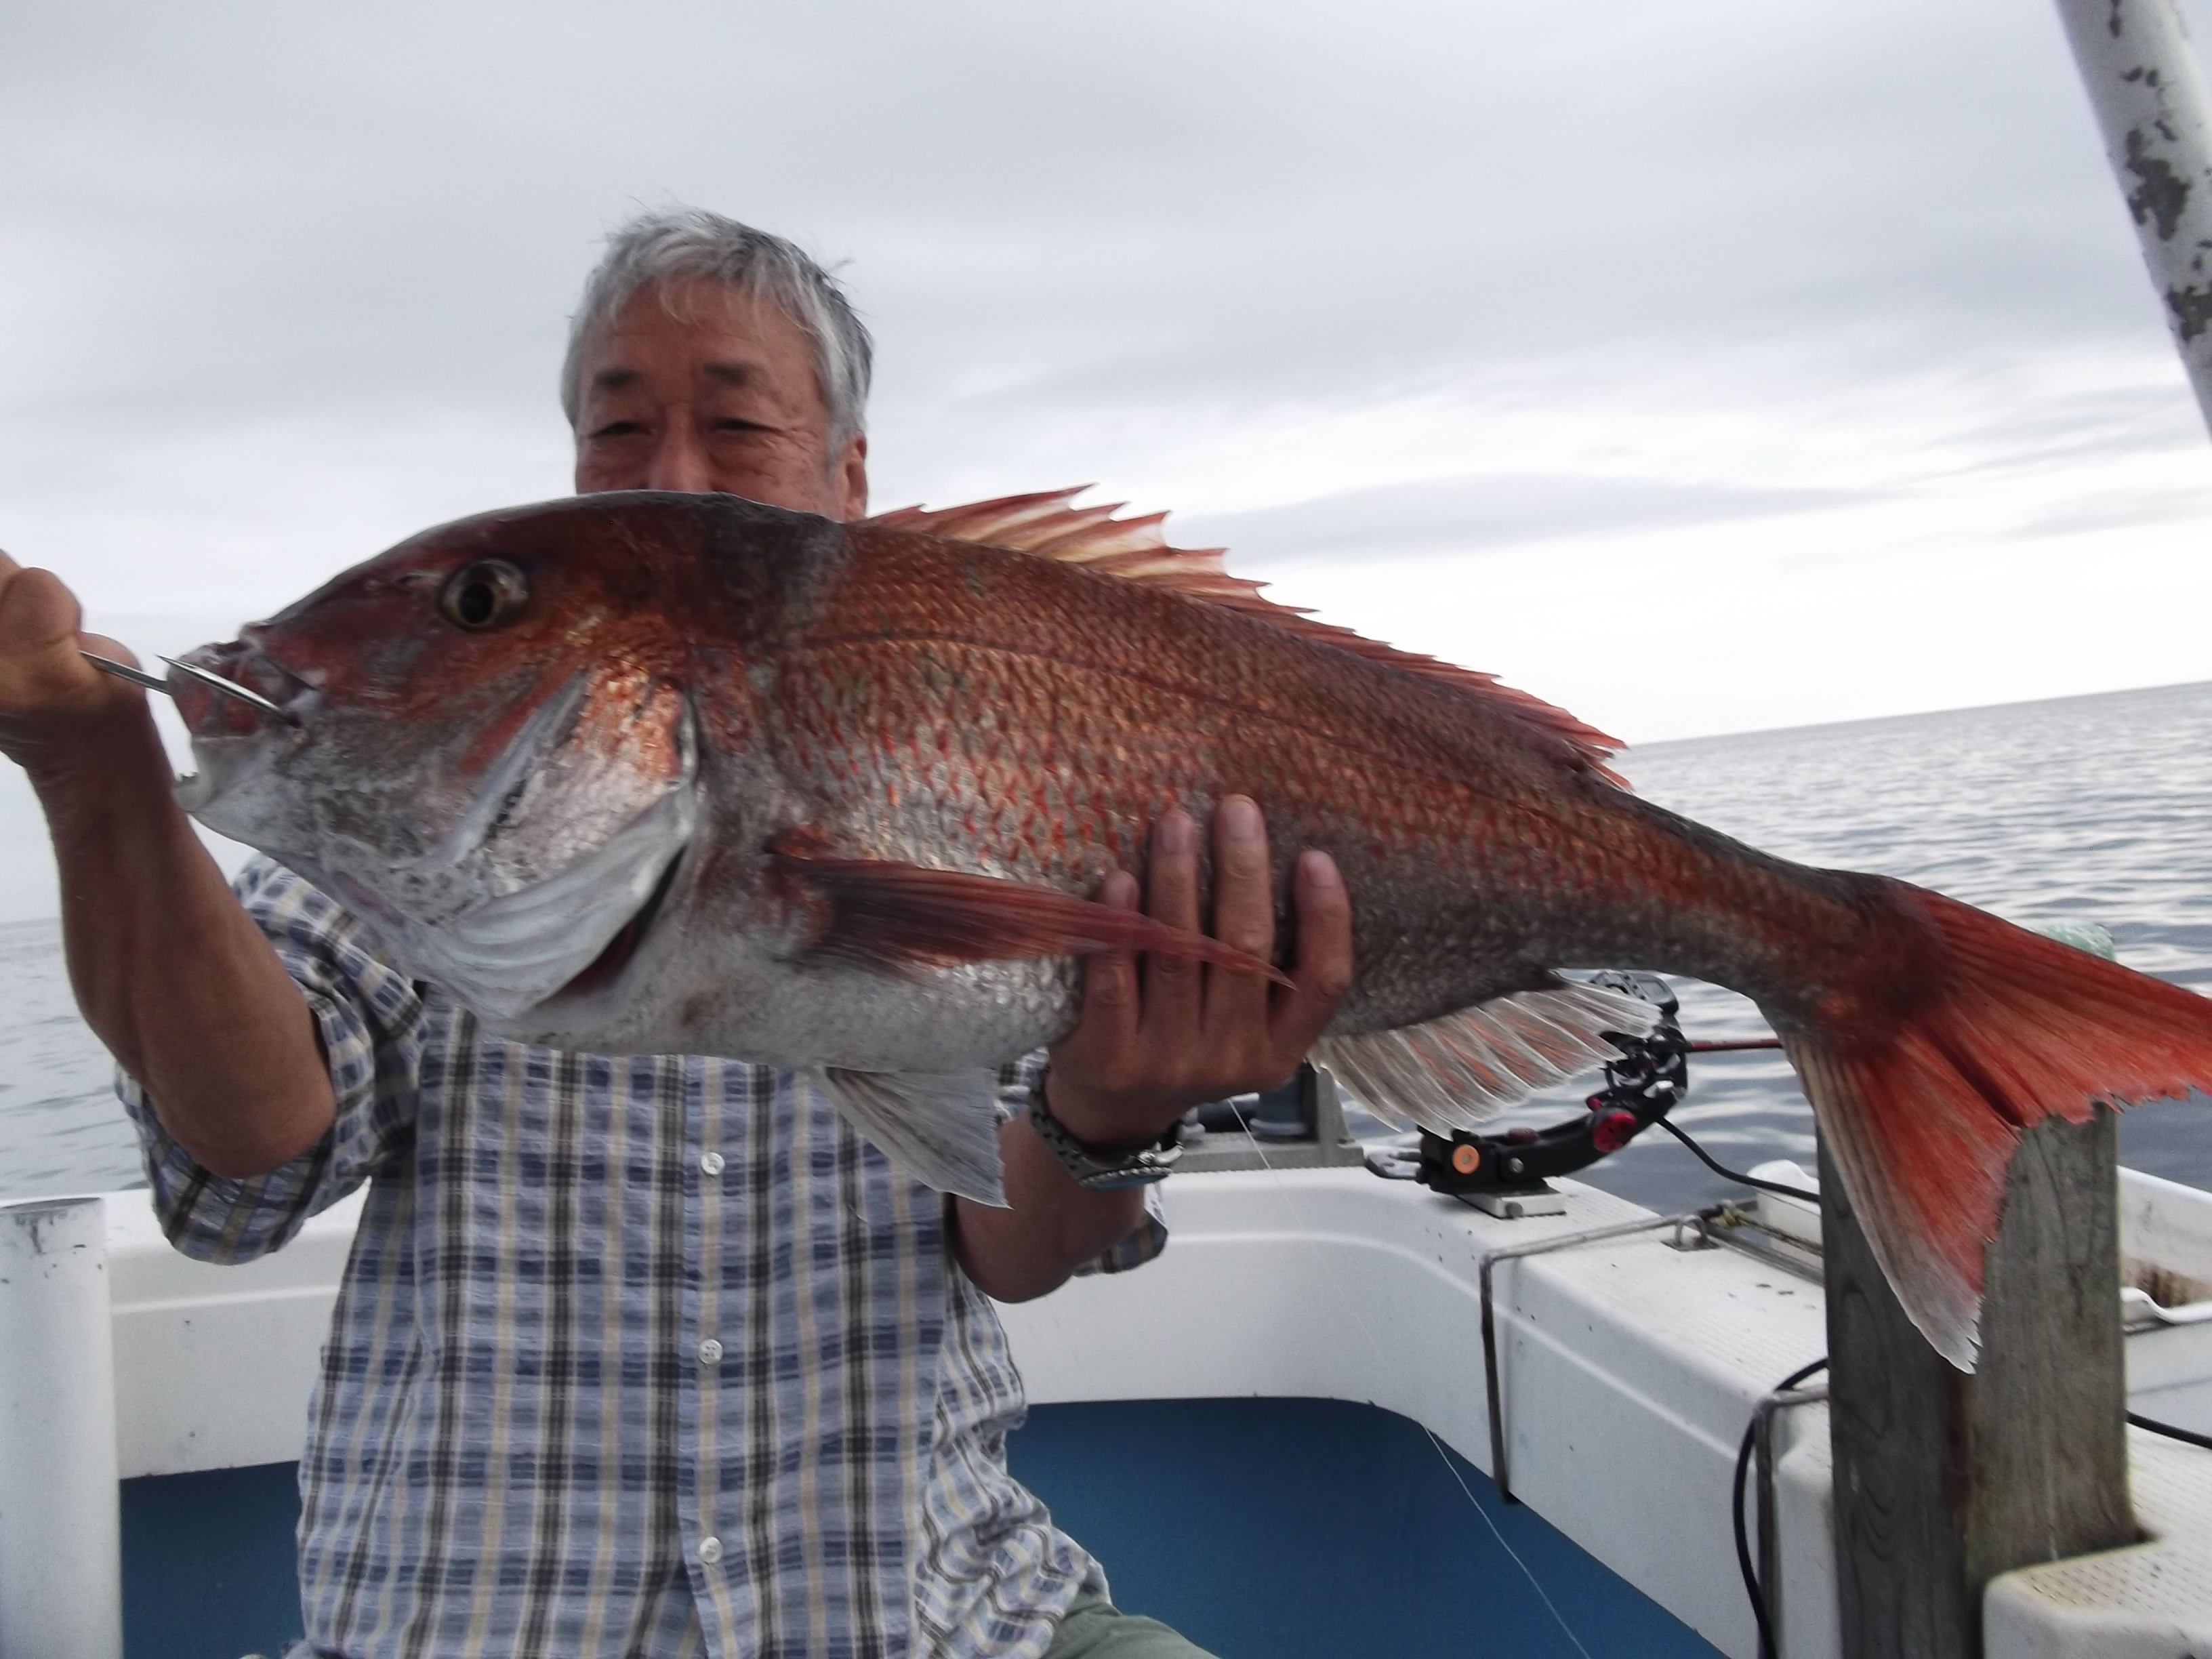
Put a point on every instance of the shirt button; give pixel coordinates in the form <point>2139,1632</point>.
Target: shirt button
<point>710,1352</point>
<point>711,1164</point>
<point>710,1551</point>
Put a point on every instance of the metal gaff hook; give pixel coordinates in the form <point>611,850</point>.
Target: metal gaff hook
<point>214,682</point>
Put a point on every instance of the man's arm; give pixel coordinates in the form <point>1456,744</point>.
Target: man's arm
<point>170,972</point>
<point>1148,1048</point>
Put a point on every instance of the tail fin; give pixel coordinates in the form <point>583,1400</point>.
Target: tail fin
<point>1922,1117</point>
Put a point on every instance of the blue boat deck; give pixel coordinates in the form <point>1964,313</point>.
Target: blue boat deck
<point>1288,1528</point>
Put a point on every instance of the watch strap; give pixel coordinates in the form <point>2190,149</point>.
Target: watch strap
<point>1102,1171</point>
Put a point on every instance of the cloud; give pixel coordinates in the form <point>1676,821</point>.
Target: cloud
<point>2120,510</point>
<point>279,285</point>
<point>1485,513</point>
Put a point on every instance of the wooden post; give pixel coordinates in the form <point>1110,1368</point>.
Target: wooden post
<point>1943,1481</point>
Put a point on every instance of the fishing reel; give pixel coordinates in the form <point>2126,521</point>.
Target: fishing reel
<point>1506,1172</point>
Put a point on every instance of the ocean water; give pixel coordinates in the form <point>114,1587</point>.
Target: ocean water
<point>2096,810</point>
<point>2084,810</point>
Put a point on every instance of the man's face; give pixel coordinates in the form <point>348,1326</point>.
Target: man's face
<point>711,389</point>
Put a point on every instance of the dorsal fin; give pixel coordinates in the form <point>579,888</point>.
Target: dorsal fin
<point>1050,523</point>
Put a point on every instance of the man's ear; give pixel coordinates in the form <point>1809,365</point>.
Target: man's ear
<point>851,482</point>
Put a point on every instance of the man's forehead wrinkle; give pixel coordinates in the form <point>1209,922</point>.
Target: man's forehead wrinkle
<point>737,373</point>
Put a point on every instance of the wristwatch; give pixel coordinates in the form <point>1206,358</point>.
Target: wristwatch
<point>1097,1172</point>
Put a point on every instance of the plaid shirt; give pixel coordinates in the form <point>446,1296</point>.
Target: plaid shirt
<point>646,1356</point>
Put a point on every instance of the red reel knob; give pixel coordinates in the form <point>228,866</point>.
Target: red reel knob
<point>1614,1130</point>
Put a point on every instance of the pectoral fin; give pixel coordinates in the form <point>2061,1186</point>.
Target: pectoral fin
<point>942,1128</point>
<point>901,915</point>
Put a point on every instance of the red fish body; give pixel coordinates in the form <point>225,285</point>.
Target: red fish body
<point>656,773</point>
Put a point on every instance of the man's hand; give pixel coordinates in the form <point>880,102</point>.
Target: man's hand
<point>173,975</point>
<point>1153,1043</point>
<point>55,706</point>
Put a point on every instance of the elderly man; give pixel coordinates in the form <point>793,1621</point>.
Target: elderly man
<point>637,1355</point>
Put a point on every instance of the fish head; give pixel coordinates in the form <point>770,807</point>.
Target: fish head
<point>489,745</point>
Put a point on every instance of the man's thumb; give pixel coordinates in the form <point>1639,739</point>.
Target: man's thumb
<point>37,614</point>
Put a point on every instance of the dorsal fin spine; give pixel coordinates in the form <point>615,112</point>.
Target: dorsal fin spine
<point>1048,524</point>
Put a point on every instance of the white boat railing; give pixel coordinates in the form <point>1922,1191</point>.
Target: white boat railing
<point>61,1548</point>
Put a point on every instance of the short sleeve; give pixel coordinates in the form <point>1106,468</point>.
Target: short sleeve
<point>1016,1083</point>
<point>369,1019</point>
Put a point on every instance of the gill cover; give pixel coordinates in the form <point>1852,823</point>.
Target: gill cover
<point>562,844</point>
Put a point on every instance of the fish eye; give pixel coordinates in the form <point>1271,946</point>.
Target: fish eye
<point>483,595</point>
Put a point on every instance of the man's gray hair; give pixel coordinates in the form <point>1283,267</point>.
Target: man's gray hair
<point>677,245</point>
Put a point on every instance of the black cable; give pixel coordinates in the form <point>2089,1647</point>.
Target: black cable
<point>1722,1169</point>
<point>2171,1431</point>
<point>1751,1588</point>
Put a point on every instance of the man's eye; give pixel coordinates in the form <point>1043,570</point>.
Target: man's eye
<point>618,429</point>
<point>735,423</point>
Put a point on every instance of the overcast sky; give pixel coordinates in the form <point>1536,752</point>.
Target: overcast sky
<point>1697,366</point>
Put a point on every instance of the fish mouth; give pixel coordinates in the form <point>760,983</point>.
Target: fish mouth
<point>226,731</point>
<point>209,713</point>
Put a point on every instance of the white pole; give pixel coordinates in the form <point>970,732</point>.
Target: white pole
<point>61,1553</point>
<point>2149,95</point>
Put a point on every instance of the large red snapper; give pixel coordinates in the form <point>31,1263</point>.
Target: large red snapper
<point>647,773</point>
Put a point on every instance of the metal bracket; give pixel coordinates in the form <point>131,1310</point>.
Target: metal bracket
<point>1770,1542</point>
<point>1517,1203</point>
<point>1513,1252</point>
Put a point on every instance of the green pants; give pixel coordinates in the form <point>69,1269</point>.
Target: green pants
<point>1096,1629</point>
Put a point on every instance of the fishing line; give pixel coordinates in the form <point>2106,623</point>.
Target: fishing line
<point>1495,1532</point>
<point>1368,1331</point>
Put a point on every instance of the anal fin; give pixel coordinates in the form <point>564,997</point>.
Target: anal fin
<point>1458,1071</point>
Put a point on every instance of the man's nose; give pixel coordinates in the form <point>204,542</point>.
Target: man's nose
<point>679,462</point>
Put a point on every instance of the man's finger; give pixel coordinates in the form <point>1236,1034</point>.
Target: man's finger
<point>1243,914</point>
<point>1173,988</point>
<point>1105,1036</point>
<point>1109,1019</point>
<point>1324,967</point>
<point>42,668</point>
<point>1172,870</point>
<point>114,650</point>
<point>37,613</point>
